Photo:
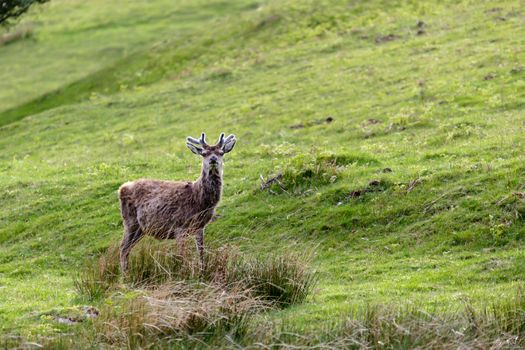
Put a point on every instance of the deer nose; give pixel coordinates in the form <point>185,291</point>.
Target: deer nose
<point>213,159</point>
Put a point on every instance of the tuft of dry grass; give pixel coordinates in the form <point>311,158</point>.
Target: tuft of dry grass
<point>175,311</point>
<point>280,280</point>
<point>167,297</point>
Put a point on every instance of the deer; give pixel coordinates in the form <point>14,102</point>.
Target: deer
<point>174,209</point>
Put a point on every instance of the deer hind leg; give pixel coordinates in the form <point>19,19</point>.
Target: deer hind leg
<point>132,231</point>
<point>199,239</point>
<point>132,235</point>
<point>180,237</point>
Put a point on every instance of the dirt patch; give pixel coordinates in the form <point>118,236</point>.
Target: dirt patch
<point>371,121</point>
<point>373,186</point>
<point>326,120</point>
<point>494,10</point>
<point>386,38</point>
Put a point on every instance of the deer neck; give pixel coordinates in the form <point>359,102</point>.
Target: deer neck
<point>209,188</point>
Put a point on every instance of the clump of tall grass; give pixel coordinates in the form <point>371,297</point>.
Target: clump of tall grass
<point>281,280</point>
<point>167,295</point>
<point>175,312</point>
<point>99,275</point>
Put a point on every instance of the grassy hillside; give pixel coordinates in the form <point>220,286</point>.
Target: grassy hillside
<point>397,127</point>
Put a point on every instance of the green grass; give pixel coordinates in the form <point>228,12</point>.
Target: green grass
<point>107,91</point>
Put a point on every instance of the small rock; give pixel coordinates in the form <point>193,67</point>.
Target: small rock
<point>329,119</point>
<point>387,170</point>
<point>374,183</point>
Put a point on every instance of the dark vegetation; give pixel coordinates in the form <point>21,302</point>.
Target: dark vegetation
<point>12,9</point>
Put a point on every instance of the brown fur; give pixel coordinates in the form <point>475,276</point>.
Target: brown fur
<point>170,209</point>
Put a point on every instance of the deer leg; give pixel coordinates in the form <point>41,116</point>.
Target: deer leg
<point>180,237</point>
<point>132,234</point>
<point>199,239</point>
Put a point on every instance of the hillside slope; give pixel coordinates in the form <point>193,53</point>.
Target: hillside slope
<point>397,126</point>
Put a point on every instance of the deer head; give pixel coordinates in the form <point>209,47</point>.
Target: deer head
<point>212,155</point>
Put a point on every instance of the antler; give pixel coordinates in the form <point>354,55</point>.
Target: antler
<point>221,140</point>
<point>228,143</point>
<point>228,139</point>
<point>201,141</point>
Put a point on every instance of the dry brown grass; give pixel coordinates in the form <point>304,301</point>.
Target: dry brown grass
<point>167,297</point>
<point>175,311</point>
<point>280,280</point>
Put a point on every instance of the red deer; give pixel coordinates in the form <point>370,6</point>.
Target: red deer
<point>173,209</point>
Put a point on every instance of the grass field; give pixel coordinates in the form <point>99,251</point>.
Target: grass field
<point>397,127</point>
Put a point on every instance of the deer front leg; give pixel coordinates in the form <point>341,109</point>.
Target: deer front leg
<point>199,239</point>
<point>132,234</point>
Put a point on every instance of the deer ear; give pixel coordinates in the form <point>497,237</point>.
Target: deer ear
<point>229,142</point>
<point>194,149</point>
